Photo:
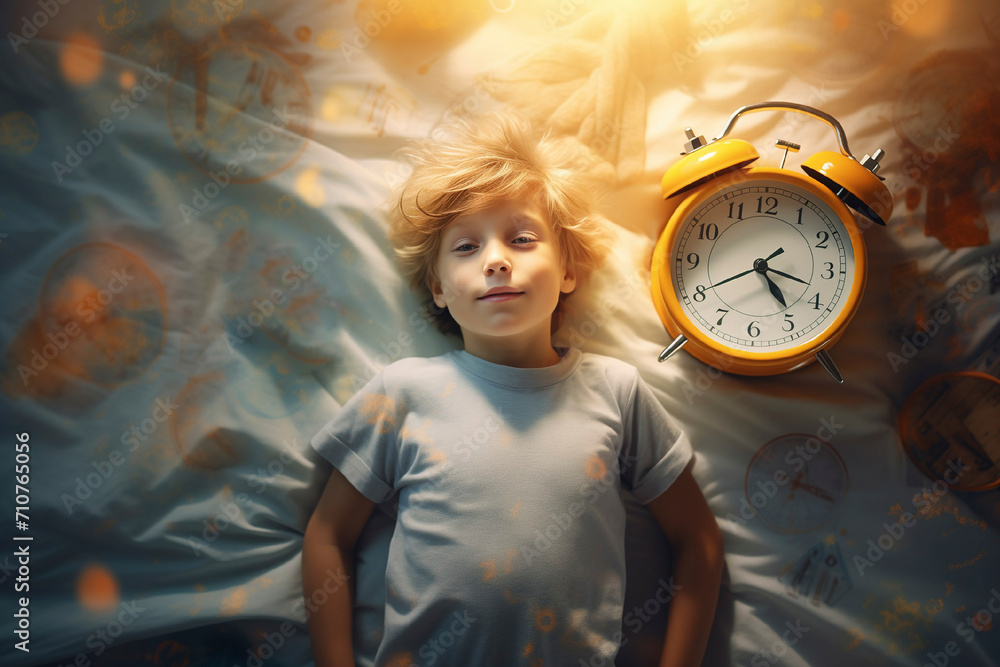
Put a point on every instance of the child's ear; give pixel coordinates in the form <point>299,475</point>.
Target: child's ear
<point>438,295</point>
<point>568,281</point>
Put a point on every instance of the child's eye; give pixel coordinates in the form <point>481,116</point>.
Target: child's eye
<point>527,238</point>
<point>459,248</point>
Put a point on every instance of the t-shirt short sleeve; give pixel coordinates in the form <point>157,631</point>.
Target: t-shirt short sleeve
<point>654,449</point>
<point>362,440</point>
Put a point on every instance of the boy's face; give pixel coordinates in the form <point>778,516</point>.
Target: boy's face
<point>510,246</point>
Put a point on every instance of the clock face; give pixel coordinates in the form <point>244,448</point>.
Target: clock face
<point>796,482</point>
<point>763,265</point>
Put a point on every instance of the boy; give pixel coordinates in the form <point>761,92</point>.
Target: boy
<point>509,456</point>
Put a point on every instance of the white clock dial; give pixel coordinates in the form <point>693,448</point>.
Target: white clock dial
<point>796,482</point>
<point>763,266</point>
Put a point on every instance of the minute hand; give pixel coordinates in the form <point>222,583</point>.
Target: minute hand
<point>785,275</point>
<point>723,282</point>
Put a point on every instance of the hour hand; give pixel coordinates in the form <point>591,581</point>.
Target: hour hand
<point>775,292</point>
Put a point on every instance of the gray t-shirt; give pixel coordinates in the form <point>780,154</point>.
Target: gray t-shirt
<point>509,541</point>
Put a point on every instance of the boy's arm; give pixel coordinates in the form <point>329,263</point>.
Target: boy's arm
<point>327,559</point>
<point>696,542</point>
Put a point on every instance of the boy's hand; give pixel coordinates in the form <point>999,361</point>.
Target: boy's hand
<point>696,541</point>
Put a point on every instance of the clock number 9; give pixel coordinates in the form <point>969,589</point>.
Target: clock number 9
<point>693,259</point>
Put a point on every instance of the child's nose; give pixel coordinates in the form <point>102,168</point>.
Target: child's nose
<point>496,259</point>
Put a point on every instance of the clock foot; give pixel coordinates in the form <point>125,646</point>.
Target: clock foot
<point>669,350</point>
<point>826,362</point>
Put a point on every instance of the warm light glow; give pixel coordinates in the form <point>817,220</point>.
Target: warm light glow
<point>929,20</point>
<point>127,79</point>
<point>308,187</point>
<point>81,59</point>
<point>97,588</point>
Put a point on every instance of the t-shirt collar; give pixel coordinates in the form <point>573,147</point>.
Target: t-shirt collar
<point>520,378</point>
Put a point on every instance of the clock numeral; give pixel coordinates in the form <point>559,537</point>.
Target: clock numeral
<point>772,205</point>
<point>693,262</point>
<point>823,238</point>
<point>723,311</point>
<point>739,211</point>
<point>711,230</point>
<point>799,220</point>
<point>815,301</point>
<point>788,321</point>
<point>829,269</point>
<point>753,329</point>
<point>699,291</point>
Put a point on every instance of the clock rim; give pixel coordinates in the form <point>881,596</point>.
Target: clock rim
<point>743,362</point>
<point>833,514</point>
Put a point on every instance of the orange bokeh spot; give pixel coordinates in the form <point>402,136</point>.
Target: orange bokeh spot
<point>596,469</point>
<point>81,59</point>
<point>545,619</point>
<point>97,588</point>
<point>841,20</point>
<point>127,79</point>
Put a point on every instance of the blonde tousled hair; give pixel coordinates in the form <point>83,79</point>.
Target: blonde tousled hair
<point>474,163</point>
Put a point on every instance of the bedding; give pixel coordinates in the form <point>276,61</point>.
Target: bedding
<point>196,276</point>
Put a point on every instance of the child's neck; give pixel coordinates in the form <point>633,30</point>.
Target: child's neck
<point>518,357</point>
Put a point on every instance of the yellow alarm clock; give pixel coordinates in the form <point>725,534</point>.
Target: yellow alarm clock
<point>759,269</point>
